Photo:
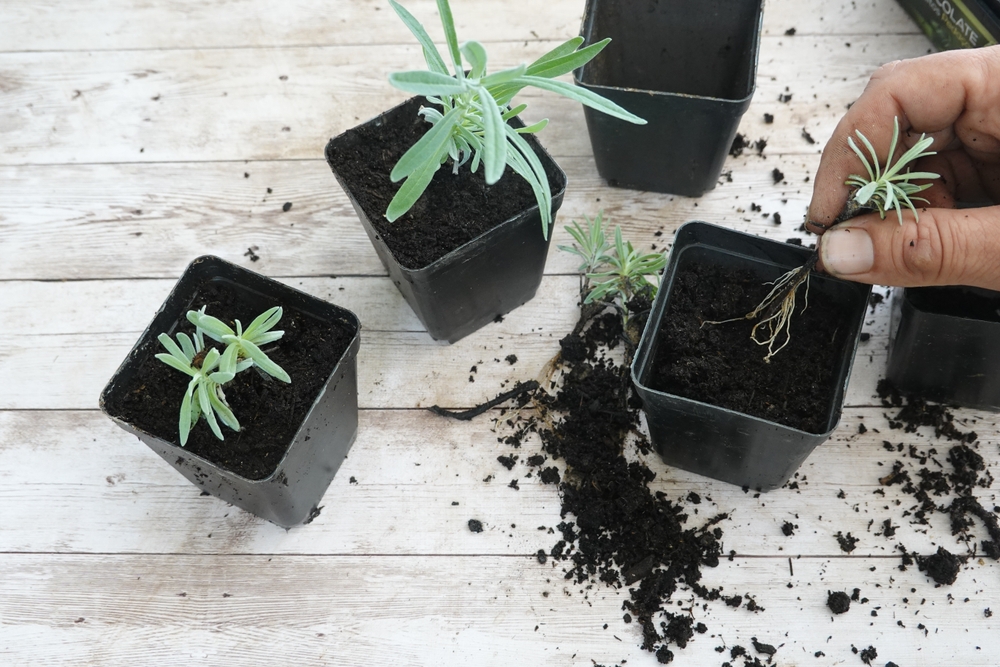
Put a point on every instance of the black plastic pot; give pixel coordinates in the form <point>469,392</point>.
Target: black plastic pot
<point>944,345</point>
<point>322,441</point>
<point>717,442</point>
<point>474,284</point>
<point>689,68</point>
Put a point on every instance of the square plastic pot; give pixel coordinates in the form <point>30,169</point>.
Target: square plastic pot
<point>944,345</point>
<point>717,442</point>
<point>689,67</point>
<point>474,284</point>
<point>318,447</point>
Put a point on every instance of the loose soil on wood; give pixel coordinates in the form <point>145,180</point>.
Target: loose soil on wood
<point>934,484</point>
<point>614,529</point>
<point>721,365</point>
<point>269,411</point>
<point>456,207</point>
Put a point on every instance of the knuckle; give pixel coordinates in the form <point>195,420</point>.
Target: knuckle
<point>886,70</point>
<point>931,253</point>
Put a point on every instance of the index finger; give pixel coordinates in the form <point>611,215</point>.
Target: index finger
<point>927,95</point>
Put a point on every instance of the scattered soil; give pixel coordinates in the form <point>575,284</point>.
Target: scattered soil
<point>455,208</point>
<point>615,530</point>
<point>839,602</point>
<point>269,411</point>
<point>721,365</point>
<point>741,143</point>
<point>934,484</point>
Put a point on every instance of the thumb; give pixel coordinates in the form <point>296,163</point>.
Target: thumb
<point>946,247</point>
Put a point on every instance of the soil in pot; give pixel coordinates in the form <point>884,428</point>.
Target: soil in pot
<point>456,207</point>
<point>720,364</point>
<point>270,412</point>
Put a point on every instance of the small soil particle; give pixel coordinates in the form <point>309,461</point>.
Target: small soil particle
<point>839,602</point>
<point>942,566</point>
<point>764,649</point>
<point>507,461</point>
<point>768,118</point>
<point>475,525</point>
<point>739,143</point>
<point>777,175</point>
<point>868,654</point>
<point>286,207</point>
<point>549,475</point>
<point>788,529</point>
<point>847,542</point>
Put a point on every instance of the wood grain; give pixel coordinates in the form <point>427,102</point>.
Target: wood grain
<point>136,136</point>
<point>32,25</point>
<point>102,489</point>
<point>336,610</point>
<point>232,104</point>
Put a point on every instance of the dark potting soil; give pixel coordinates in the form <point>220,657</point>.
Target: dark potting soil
<point>615,530</point>
<point>456,207</point>
<point>721,365</point>
<point>839,602</point>
<point>934,483</point>
<point>269,411</point>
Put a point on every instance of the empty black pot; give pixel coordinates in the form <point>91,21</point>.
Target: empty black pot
<point>945,345</point>
<point>717,442</point>
<point>689,68</point>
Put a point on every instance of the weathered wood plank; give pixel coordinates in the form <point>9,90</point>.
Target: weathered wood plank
<point>232,104</point>
<point>335,610</point>
<point>157,218</point>
<point>399,365</point>
<point>36,26</point>
<point>82,485</point>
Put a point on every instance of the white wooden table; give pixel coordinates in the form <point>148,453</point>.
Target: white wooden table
<point>137,136</point>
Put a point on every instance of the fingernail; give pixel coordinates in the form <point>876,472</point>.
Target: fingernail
<point>847,252</point>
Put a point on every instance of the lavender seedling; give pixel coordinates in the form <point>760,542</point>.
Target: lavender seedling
<point>885,188</point>
<point>210,370</point>
<point>204,396</point>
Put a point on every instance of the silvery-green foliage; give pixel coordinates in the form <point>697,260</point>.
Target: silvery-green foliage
<point>475,106</point>
<point>626,274</point>
<point>209,370</point>
<point>890,187</point>
<point>615,273</point>
<point>248,342</point>
<point>591,242</point>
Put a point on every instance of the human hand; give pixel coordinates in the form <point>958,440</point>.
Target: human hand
<point>953,97</point>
